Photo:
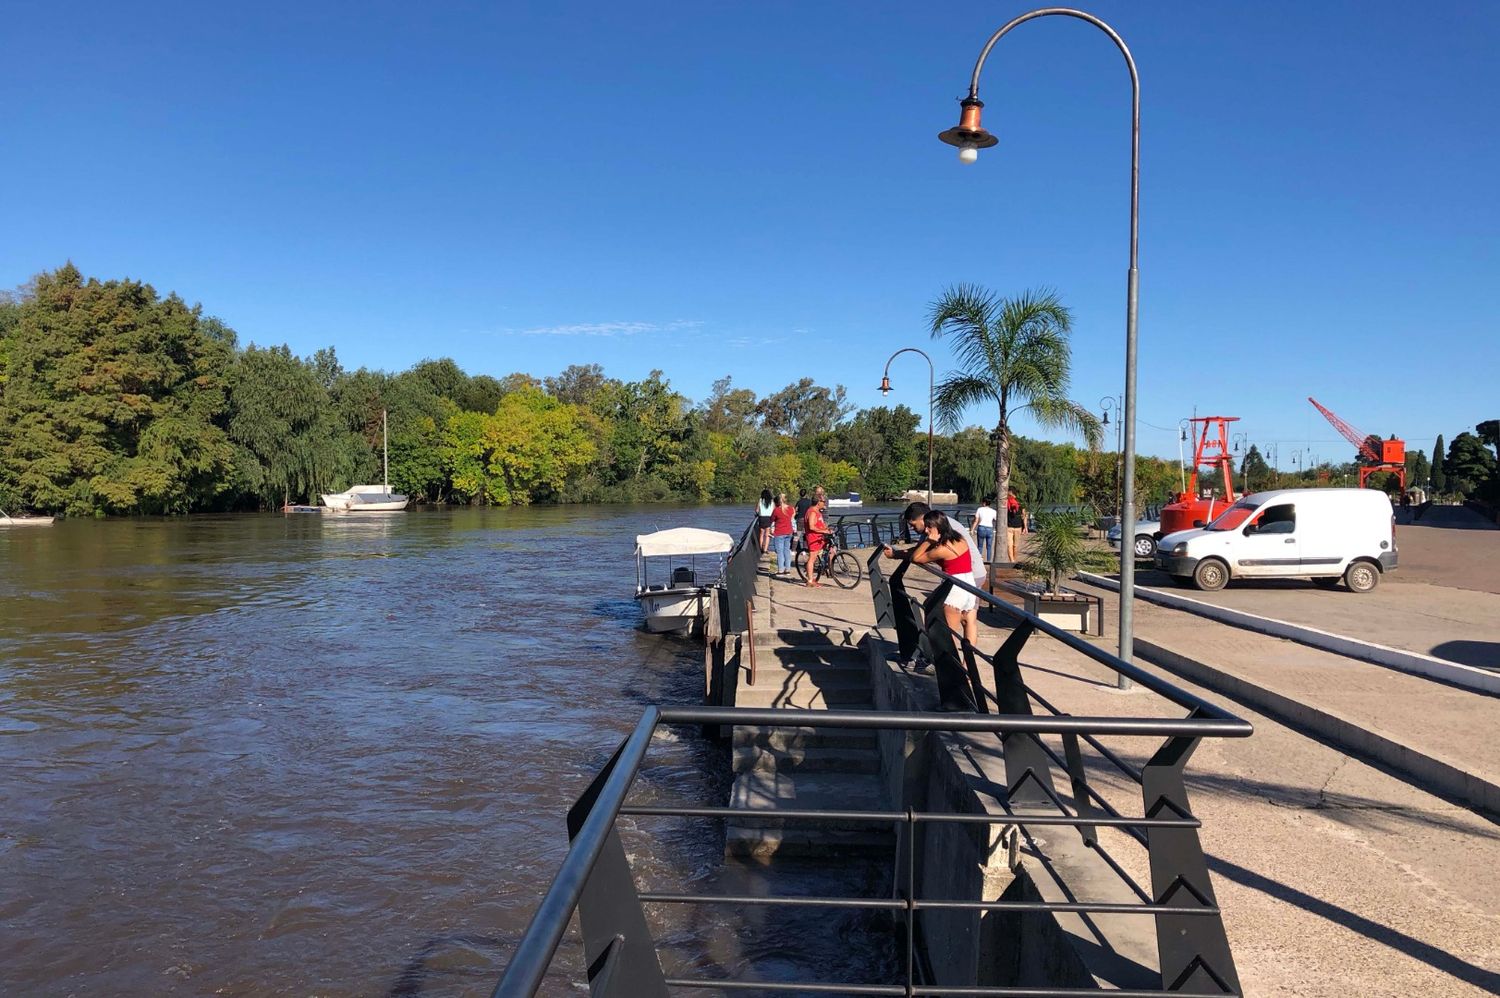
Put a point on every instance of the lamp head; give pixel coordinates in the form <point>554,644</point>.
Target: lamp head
<point>885,385</point>
<point>969,135</point>
<point>1106,417</point>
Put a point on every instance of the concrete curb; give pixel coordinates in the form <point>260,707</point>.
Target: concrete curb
<point>1399,659</point>
<point>1431,772</point>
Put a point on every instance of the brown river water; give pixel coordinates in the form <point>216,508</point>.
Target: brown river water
<point>331,755</point>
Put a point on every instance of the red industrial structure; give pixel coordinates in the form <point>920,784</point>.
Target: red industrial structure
<point>1192,508</point>
<point>1390,456</point>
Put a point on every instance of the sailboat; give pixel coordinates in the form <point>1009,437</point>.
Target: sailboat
<point>370,498</point>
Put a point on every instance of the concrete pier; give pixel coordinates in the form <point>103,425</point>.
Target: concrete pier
<point>1337,874</point>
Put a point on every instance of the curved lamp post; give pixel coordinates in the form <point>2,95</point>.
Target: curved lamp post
<point>970,137</point>
<point>1111,404</point>
<point>885,389</point>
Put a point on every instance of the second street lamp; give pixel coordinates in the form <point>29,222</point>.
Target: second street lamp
<point>1111,403</point>
<point>969,136</point>
<point>885,389</point>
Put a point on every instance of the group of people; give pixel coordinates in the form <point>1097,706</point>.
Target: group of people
<point>780,523</point>
<point>983,525</point>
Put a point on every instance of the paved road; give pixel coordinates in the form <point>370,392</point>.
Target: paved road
<point>1443,600</point>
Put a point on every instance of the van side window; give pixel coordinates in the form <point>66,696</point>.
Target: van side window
<point>1277,520</point>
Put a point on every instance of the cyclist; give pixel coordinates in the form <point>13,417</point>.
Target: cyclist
<point>819,538</point>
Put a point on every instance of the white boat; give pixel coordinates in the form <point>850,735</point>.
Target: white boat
<point>849,500</point>
<point>6,520</point>
<point>692,559</point>
<point>370,498</point>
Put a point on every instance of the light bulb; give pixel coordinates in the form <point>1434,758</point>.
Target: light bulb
<point>968,154</point>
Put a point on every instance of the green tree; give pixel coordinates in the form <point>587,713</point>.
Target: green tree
<point>1418,468</point>
<point>804,409</point>
<point>1014,353</point>
<point>728,409</point>
<point>1469,465</point>
<point>112,399</point>
<point>533,443</point>
<point>1439,480</point>
<point>292,443</point>
<point>884,446</point>
<point>1489,433</point>
<point>1255,473</point>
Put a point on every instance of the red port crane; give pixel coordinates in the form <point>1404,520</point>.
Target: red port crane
<point>1391,455</point>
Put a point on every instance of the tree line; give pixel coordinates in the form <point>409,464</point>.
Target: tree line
<point>117,400</point>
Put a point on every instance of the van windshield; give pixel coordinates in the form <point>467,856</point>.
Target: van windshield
<point>1235,515</point>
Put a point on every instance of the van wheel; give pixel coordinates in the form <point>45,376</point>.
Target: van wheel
<point>1361,577</point>
<point>1211,575</point>
<point>1326,582</point>
<point>1145,547</point>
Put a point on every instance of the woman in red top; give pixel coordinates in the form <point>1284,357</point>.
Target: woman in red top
<point>948,548</point>
<point>816,530</point>
<point>781,533</point>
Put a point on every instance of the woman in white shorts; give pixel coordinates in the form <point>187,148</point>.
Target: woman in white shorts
<point>948,547</point>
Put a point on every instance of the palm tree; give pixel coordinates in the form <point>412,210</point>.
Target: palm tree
<point>1013,352</point>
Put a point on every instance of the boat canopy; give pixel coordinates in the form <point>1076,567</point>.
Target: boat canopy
<point>682,541</point>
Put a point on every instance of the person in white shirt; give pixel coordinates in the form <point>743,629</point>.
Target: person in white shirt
<point>983,525</point>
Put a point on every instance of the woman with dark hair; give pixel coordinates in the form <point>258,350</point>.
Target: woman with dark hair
<point>781,534</point>
<point>947,547</point>
<point>763,519</point>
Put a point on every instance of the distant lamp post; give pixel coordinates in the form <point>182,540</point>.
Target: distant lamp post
<point>885,389</point>
<point>970,137</point>
<point>1240,441</point>
<point>1111,403</point>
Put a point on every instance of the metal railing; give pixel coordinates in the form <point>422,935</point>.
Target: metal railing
<point>596,881</point>
<point>1192,951</point>
<point>739,580</point>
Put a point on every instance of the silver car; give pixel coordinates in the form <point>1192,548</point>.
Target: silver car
<point>1145,537</point>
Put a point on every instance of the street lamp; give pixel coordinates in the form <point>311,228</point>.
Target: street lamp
<point>885,389</point>
<point>1111,403</point>
<point>970,137</point>
<point>1240,441</point>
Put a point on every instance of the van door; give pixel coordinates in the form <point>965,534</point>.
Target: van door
<point>1268,545</point>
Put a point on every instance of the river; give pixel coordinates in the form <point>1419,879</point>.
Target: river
<point>319,754</point>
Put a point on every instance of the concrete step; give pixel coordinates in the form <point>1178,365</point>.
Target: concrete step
<point>801,738</point>
<point>800,636</point>
<point>824,843</point>
<point>805,695</point>
<point>807,759</point>
<point>771,676</point>
<point>813,657</point>
<point>766,791</point>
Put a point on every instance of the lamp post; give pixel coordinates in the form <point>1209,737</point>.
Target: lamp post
<point>885,389</point>
<point>970,137</point>
<point>1240,442</point>
<point>1111,403</point>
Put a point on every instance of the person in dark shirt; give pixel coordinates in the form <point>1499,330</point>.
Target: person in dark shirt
<point>800,521</point>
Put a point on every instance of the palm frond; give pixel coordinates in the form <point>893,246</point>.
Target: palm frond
<point>955,393</point>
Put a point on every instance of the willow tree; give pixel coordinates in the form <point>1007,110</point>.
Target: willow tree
<point>1012,353</point>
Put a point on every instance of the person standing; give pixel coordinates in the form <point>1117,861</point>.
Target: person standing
<point>946,546</point>
<point>800,521</point>
<point>1015,524</point>
<point>763,520</point>
<point>983,526</point>
<point>781,534</point>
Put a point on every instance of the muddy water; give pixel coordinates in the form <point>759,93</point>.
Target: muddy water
<point>331,755</point>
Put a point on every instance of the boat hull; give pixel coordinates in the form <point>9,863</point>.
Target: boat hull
<point>665,611</point>
<point>26,521</point>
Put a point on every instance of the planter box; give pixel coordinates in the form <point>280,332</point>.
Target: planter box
<point>1071,613</point>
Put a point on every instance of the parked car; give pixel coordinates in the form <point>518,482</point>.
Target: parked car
<point>1146,532</point>
<point>1320,534</point>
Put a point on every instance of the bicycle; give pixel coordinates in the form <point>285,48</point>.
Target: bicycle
<point>839,565</point>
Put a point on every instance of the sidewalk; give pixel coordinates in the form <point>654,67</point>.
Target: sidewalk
<point>1442,734</point>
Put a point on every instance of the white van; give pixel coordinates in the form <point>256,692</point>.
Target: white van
<point>1319,534</point>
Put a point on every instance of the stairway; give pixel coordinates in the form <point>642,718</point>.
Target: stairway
<point>802,767</point>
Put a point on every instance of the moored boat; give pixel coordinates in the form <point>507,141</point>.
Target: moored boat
<point>6,520</point>
<point>370,498</point>
<point>849,500</point>
<point>693,561</point>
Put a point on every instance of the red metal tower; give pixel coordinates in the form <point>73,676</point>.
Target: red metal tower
<point>1390,457</point>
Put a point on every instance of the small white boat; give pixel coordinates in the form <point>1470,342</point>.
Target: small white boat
<point>692,560</point>
<point>366,499</point>
<point>370,498</point>
<point>6,520</point>
<point>849,500</point>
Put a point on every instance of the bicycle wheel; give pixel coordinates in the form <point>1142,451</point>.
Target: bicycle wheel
<point>799,562</point>
<point>845,570</point>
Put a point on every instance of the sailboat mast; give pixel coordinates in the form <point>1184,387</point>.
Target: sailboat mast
<point>385,450</point>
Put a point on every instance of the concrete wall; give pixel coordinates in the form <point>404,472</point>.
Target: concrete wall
<point>940,772</point>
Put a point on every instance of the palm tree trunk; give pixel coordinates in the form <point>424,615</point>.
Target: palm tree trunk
<point>1002,484</point>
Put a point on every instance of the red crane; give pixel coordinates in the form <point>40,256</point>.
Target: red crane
<point>1391,455</point>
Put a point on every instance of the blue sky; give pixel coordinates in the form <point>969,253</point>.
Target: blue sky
<point>757,189</point>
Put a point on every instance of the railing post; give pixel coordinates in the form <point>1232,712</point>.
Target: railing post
<point>952,679</point>
<point>1193,949</point>
<point>903,607</point>
<point>617,944</point>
